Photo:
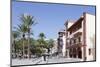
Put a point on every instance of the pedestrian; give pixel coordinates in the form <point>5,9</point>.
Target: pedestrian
<point>44,56</point>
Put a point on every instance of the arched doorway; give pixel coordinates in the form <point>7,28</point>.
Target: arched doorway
<point>74,52</point>
<point>70,54</point>
<point>79,52</point>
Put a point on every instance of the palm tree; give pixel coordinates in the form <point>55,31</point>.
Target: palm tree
<point>42,42</point>
<point>28,21</point>
<point>42,36</point>
<point>15,36</point>
<point>22,29</point>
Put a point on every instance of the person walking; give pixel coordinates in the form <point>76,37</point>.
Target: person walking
<point>44,56</point>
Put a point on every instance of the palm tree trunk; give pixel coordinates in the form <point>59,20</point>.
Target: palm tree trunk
<point>15,48</point>
<point>23,48</point>
<point>23,45</point>
<point>28,45</point>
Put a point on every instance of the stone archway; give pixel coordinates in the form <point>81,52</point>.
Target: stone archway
<point>74,52</point>
<point>79,52</point>
<point>70,54</point>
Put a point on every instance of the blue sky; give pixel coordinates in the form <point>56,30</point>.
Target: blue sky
<point>50,17</point>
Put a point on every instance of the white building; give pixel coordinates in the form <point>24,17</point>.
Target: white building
<point>62,42</point>
<point>80,38</point>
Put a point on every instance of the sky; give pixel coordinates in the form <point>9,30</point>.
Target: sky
<point>50,18</point>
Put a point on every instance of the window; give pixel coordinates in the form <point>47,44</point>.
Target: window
<point>74,41</point>
<point>89,51</point>
<point>79,39</point>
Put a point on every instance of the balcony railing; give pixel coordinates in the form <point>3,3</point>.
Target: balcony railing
<point>74,44</point>
<point>72,35</point>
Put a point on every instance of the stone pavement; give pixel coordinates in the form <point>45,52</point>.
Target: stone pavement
<point>59,60</point>
<point>41,61</point>
<point>25,61</point>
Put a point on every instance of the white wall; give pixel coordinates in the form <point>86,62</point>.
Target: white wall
<point>70,23</point>
<point>90,33</point>
<point>64,46</point>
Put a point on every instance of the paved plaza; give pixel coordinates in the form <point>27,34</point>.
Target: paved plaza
<point>59,60</point>
<point>41,60</point>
